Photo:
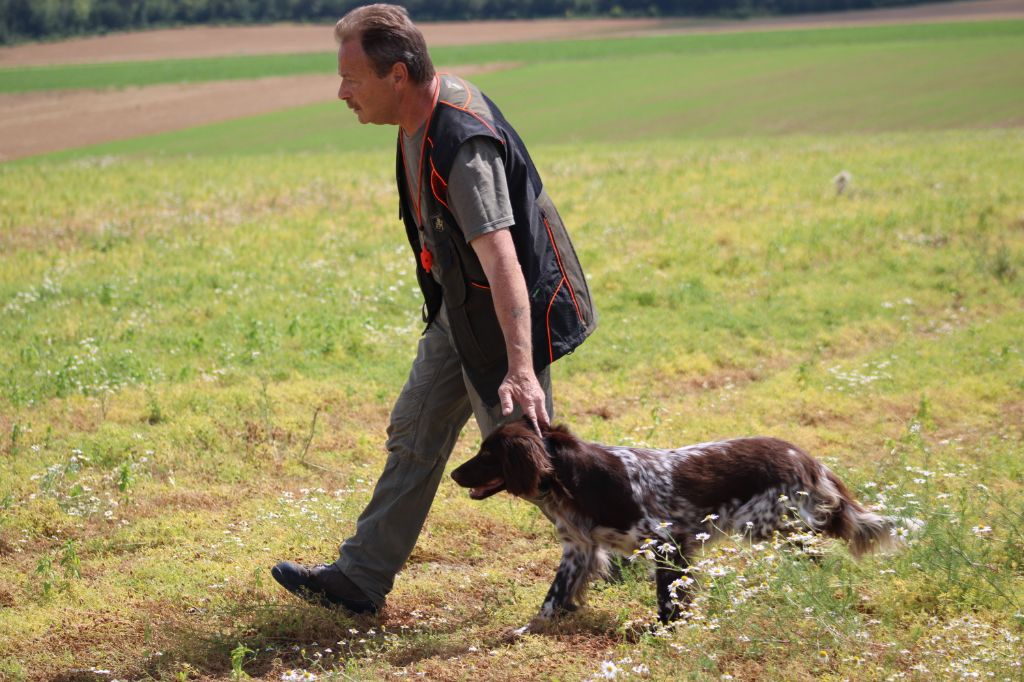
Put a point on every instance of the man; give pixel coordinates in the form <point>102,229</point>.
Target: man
<point>504,292</point>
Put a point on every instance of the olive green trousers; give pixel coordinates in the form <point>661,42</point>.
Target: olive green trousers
<point>425,424</point>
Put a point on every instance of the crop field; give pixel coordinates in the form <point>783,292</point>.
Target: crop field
<point>202,333</point>
<point>122,74</point>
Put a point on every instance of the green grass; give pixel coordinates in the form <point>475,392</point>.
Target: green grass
<point>125,74</point>
<point>200,357</point>
<point>134,74</point>
<point>202,335</point>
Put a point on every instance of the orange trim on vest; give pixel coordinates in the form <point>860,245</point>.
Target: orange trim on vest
<point>565,278</point>
<point>547,318</point>
<point>474,115</point>
<point>469,91</point>
<point>439,185</point>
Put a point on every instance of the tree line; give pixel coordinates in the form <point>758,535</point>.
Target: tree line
<point>40,19</point>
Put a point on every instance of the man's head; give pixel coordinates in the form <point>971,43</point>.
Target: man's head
<point>381,53</point>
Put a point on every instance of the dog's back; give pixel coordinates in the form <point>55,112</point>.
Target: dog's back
<point>743,485</point>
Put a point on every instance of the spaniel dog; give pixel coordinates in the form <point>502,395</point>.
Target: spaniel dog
<point>604,498</point>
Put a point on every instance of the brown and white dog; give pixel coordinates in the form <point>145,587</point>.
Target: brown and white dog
<point>604,498</point>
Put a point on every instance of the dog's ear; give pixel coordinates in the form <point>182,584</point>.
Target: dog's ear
<point>524,462</point>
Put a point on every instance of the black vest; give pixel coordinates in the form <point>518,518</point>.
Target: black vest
<point>562,314</point>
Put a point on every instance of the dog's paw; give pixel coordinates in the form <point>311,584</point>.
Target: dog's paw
<point>537,625</point>
<point>516,634</point>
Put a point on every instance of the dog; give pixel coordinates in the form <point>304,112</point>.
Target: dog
<point>620,499</point>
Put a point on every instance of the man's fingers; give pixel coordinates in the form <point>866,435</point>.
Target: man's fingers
<point>543,421</point>
<point>505,396</point>
<point>529,398</point>
<point>535,425</point>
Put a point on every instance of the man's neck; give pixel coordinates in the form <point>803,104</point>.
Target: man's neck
<point>421,103</point>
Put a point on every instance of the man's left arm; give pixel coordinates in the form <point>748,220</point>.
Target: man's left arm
<point>497,254</point>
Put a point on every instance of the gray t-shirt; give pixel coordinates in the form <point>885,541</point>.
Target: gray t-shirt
<point>477,189</point>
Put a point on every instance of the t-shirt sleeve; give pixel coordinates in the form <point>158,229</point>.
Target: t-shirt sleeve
<point>478,190</point>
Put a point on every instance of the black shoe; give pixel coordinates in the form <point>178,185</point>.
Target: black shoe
<point>324,585</point>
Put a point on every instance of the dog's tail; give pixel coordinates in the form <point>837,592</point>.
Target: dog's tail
<point>863,530</point>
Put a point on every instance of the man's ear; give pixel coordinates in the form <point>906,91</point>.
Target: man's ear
<point>399,75</point>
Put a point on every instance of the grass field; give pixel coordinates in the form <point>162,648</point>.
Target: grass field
<point>200,348</point>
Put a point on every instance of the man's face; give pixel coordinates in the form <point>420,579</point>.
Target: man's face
<point>372,98</point>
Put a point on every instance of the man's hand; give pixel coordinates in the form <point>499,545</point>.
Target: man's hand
<point>523,389</point>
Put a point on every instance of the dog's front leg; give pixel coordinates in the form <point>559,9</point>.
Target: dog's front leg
<point>570,581</point>
<point>569,584</point>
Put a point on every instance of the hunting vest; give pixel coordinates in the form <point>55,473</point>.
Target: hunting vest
<point>561,312</point>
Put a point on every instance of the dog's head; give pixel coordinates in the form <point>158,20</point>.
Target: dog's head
<point>511,458</point>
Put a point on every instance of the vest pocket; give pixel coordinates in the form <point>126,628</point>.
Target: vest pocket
<point>476,330</point>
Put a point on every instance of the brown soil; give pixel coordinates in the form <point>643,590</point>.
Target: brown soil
<point>36,123</point>
<point>40,122</point>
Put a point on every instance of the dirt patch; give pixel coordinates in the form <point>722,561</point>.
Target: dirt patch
<point>214,41</point>
<point>40,122</point>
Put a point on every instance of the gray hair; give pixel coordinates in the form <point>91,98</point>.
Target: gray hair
<point>388,36</point>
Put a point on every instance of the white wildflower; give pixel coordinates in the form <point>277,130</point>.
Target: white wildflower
<point>685,581</point>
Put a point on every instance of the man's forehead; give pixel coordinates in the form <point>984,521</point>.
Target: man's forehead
<point>351,55</point>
